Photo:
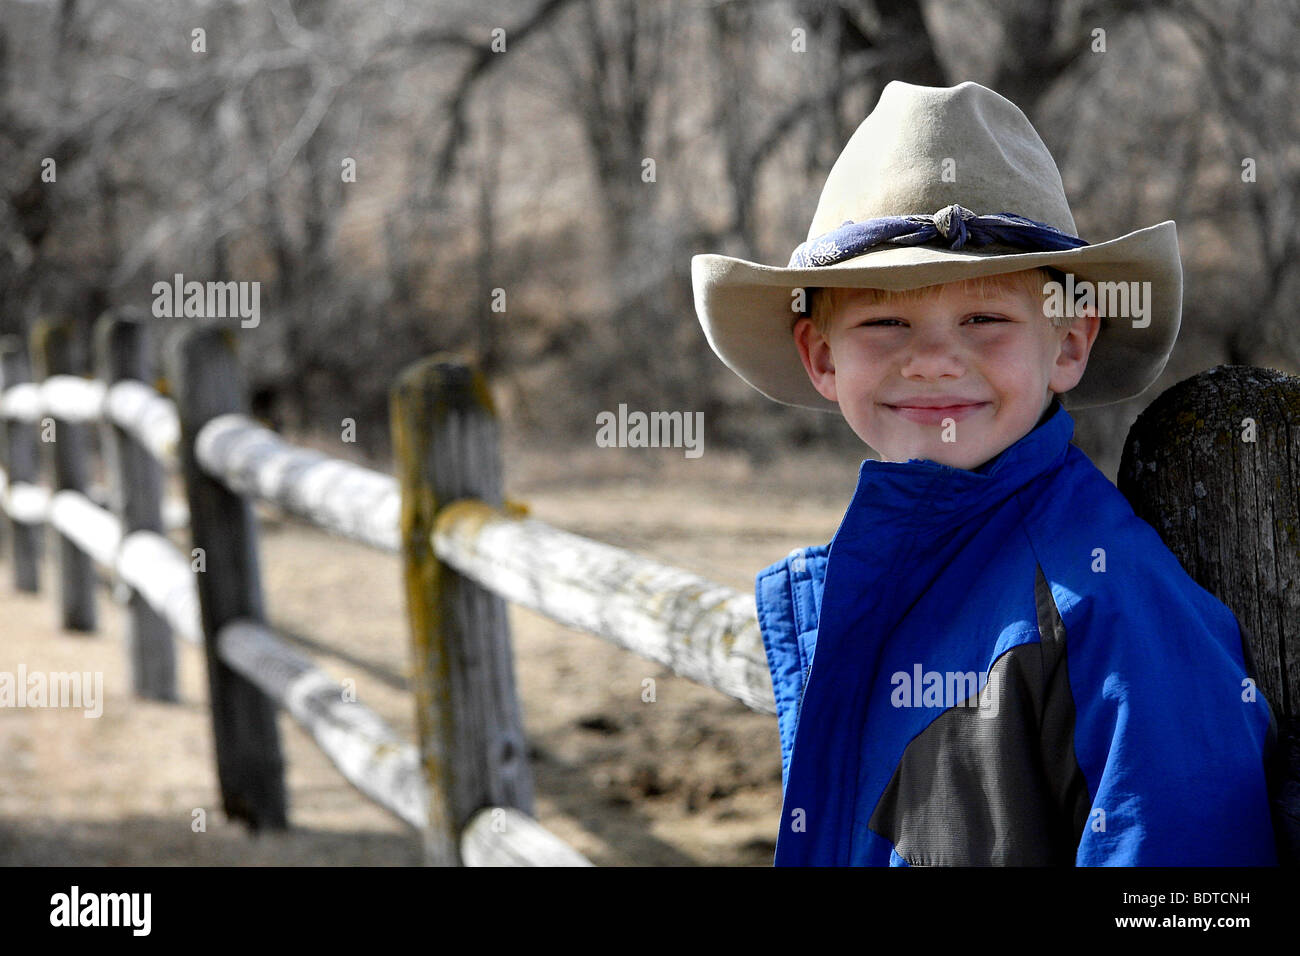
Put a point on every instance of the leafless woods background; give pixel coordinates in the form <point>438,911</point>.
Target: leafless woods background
<point>522,170</point>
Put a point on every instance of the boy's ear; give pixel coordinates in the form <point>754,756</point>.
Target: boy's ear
<point>1076,344</point>
<point>818,362</point>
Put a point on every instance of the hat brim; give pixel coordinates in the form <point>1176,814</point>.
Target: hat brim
<point>746,310</point>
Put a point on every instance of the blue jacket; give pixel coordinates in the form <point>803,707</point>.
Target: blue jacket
<point>1010,668</point>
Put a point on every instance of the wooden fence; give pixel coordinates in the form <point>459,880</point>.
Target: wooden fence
<point>465,785</point>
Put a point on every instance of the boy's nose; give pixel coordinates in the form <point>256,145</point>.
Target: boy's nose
<point>932,356</point>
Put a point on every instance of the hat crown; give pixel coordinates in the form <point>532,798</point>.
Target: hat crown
<point>923,148</point>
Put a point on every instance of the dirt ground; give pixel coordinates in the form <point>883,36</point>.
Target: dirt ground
<point>690,779</point>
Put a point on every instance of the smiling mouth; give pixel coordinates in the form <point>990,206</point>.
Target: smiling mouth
<point>935,414</point>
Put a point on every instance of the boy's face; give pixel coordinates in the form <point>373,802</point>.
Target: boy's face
<point>955,376</point>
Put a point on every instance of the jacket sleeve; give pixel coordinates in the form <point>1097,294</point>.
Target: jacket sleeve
<point>788,599</point>
<point>1171,734</point>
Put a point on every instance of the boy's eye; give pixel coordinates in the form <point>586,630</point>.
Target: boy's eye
<point>978,319</point>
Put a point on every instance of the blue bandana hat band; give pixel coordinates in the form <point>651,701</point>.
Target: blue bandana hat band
<point>953,226</point>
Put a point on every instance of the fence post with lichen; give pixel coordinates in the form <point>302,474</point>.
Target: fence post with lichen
<point>472,746</point>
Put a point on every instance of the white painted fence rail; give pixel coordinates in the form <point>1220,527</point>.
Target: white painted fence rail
<point>367,752</point>
<point>336,495</point>
<point>22,403</point>
<point>147,562</point>
<point>93,529</point>
<point>30,504</point>
<point>149,416</point>
<point>160,573</point>
<point>72,399</point>
<point>68,398</point>
<point>24,501</point>
<point>701,630</point>
<point>358,741</point>
<point>502,836</point>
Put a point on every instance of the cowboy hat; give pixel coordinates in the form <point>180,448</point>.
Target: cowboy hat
<point>937,185</point>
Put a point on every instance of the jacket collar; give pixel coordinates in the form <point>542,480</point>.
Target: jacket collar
<point>912,496</point>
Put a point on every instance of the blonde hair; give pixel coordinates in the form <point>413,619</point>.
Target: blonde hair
<point>825,301</point>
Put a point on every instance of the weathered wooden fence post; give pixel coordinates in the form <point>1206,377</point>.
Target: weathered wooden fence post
<point>1213,465</point>
<point>250,767</point>
<point>21,463</point>
<point>52,344</point>
<point>471,730</point>
<point>135,480</point>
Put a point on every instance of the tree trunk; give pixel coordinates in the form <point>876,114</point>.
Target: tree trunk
<point>1214,466</point>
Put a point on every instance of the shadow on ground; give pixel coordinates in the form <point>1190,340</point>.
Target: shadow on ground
<point>139,841</point>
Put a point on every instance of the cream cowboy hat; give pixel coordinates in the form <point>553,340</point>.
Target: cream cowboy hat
<point>937,185</point>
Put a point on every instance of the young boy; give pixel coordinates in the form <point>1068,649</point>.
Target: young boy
<point>1010,666</point>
